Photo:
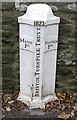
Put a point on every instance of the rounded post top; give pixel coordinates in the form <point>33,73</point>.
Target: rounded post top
<point>38,12</point>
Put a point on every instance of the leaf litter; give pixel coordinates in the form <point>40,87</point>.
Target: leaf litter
<point>66,102</point>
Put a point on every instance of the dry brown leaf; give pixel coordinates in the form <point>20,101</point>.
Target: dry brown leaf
<point>64,116</point>
<point>75,106</point>
<point>75,112</point>
<point>63,107</point>
<point>3,110</point>
<point>10,102</point>
<point>3,116</point>
<point>72,113</point>
<point>59,94</point>
<point>9,98</point>
<point>8,109</point>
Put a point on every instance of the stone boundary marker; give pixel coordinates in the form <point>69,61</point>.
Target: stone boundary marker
<point>38,51</point>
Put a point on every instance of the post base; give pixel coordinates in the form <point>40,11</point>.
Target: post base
<point>50,98</point>
<point>37,103</point>
<point>24,98</point>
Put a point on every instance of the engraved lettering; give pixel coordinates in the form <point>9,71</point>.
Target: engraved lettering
<point>49,46</point>
<point>39,23</point>
<point>37,48</point>
<point>26,43</point>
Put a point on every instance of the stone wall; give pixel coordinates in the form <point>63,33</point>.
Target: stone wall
<point>66,63</point>
<point>0,48</point>
<point>10,47</point>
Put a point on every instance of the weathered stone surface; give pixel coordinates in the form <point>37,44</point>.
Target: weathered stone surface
<point>20,7</point>
<point>72,6</point>
<point>7,6</point>
<point>54,8</point>
<point>0,7</point>
<point>10,47</point>
<point>36,114</point>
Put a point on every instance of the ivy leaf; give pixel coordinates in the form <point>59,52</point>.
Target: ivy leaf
<point>6,98</point>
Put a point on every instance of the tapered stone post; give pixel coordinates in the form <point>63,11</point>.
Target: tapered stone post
<point>38,39</point>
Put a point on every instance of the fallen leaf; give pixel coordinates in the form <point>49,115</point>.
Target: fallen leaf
<point>67,95</point>
<point>48,105</point>
<point>10,102</point>
<point>72,113</point>
<point>8,109</point>
<point>75,106</point>
<point>9,98</point>
<point>63,107</point>
<point>64,116</point>
<point>3,110</point>
<point>59,94</point>
<point>75,112</point>
<point>6,98</point>
<point>3,116</point>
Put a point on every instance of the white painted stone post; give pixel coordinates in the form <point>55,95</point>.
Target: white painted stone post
<point>38,33</point>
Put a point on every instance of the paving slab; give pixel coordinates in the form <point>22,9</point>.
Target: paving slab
<point>34,114</point>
